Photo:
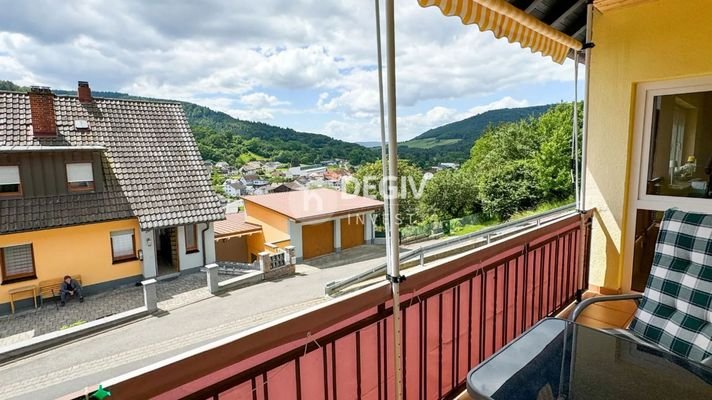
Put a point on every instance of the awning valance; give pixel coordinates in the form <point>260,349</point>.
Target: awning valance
<point>505,20</point>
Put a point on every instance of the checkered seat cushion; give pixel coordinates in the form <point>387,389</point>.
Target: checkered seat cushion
<point>676,310</point>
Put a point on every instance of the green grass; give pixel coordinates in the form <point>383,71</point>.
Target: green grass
<point>250,156</point>
<point>541,208</point>
<point>73,324</point>
<point>465,229</point>
<point>429,143</point>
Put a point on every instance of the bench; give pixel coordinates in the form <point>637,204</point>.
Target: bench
<point>24,289</point>
<point>50,288</point>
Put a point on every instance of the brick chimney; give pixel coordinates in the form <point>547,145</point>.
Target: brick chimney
<point>84,92</point>
<point>44,122</point>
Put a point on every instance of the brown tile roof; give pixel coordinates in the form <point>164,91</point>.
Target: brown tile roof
<point>157,173</point>
<point>303,205</point>
<point>234,224</point>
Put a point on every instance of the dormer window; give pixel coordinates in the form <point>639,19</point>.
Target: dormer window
<point>10,181</point>
<point>80,177</point>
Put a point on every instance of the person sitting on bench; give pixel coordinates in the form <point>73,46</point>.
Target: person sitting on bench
<point>70,287</point>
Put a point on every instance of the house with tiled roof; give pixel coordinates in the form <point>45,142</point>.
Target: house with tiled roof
<point>113,190</point>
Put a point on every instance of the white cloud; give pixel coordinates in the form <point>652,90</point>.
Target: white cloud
<point>253,59</point>
<point>505,102</point>
<point>260,99</point>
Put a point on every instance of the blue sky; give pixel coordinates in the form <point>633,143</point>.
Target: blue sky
<point>304,64</point>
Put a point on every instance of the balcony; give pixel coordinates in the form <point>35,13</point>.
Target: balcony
<point>454,316</point>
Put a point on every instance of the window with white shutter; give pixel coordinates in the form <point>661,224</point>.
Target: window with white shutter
<point>123,247</point>
<point>10,180</point>
<point>80,177</point>
<point>17,262</point>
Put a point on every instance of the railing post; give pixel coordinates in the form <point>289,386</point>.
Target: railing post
<point>150,297</point>
<point>422,257</point>
<point>265,261</point>
<point>212,272</point>
<point>291,251</point>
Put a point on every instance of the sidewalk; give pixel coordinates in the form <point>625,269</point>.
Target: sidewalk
<point>172,293</point>
<point>90,360</point>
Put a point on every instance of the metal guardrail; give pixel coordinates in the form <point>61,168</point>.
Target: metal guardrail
<point>490,234</point>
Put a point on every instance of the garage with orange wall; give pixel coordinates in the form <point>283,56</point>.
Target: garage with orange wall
<point>318,239</point>
<point>352,232</point>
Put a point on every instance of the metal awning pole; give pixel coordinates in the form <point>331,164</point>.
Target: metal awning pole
<point>584,163</point>
<point>384,156</point>
<point>574,136</point>
<point>587,51</point>
<point>393,258</point>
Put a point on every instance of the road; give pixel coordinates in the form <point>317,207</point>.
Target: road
<point>91,360</point>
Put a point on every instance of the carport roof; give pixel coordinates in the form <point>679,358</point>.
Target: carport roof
<point>305,205</point>
<point>234,225</point>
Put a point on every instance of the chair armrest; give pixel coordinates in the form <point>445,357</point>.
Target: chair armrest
<point>585,303</point>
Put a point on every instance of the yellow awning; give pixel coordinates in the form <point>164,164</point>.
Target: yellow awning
<point>505,20</point>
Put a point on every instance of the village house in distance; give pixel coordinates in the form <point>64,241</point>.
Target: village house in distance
<point>109,190</point>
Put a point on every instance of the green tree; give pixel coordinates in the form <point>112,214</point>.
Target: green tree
<point>553,161</point>
<point>517,165</point>
<point>510,188</point>
<point>450,194</point>
<point>410,178</point>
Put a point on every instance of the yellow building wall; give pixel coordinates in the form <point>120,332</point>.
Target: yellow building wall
<point>275,226</point>
<point>84,250</point>
<point>653,41</point>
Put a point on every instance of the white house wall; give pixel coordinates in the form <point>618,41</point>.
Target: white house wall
<point>295,239</point>
<point>148,248</point>
<point>195,260</point>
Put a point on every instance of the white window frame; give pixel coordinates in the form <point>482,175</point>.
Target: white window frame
<point>14,278</point>
<point>119,259</point>
<point>85,164</point>
<point>12,182</point>
<point>638,198</point>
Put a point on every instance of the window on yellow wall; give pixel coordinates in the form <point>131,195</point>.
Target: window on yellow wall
<point>123,246</point>
<point>191,238</point>
<point>17,263</point>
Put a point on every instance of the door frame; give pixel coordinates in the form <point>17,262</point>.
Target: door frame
<point>640,158</point>
<point>156,240</point>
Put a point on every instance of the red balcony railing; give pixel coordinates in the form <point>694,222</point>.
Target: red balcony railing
<point>453,317</point>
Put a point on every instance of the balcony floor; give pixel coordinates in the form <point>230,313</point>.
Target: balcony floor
<point>604,315</point>
<point>609,314</point>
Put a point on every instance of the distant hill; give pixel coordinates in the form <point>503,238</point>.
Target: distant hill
<point>452,142</point>
<point>221,137</point>
<point>369,145</point>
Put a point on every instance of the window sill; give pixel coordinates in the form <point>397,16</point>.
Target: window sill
<point>124,260</point>
<point>15,280</point>
<point>192,251</point>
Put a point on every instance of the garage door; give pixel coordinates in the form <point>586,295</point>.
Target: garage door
<point>317,239</point>
<point>351,232</point>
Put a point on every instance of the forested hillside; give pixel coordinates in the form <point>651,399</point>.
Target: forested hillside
<point>516,166</point>
<point>221,137</point>
<point>452,142</point>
